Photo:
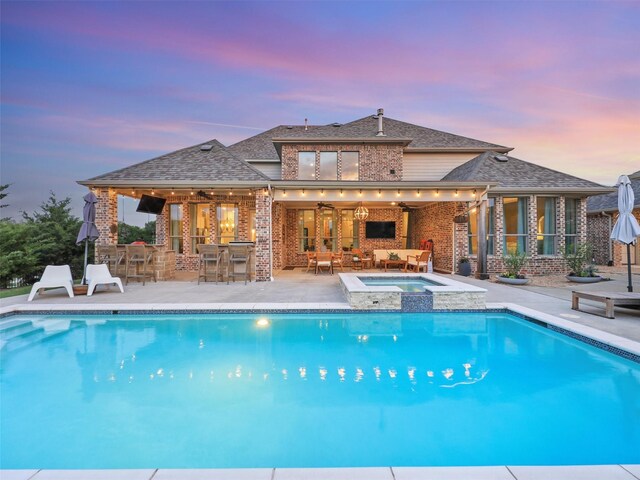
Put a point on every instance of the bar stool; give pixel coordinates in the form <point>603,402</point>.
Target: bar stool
<point>110,255</point>
<point>139,263</point>
<point>239,256</point>
<point>209,261</point>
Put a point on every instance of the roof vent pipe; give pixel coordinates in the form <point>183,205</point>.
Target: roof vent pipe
<point>306,124</point>
<point>380,128</point>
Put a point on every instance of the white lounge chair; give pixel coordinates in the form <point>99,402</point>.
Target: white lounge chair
<point>100,275</point>
<point>52,277</point>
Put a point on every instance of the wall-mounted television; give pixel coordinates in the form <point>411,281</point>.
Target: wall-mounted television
<point>149,204</point>
<point>380,229</point>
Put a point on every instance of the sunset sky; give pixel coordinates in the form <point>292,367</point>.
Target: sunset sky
<point>88,87</point>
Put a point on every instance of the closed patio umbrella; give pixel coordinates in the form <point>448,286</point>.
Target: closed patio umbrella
<point>88,232</point>
<point>626,230</point>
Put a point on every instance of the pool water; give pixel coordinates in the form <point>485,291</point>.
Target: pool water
<point>407,284</point>
<point>310,390</point>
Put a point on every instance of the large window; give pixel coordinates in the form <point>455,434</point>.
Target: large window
<point>306,230</point>
<point>546,221</point>
<point>515,224</point>
<point>227,222</point>
<point>350,229</point>
<point>306,165</point>
<point>571,224</point>
<point>473,228</point>
<point>328,166</point>
<point>350,161</point>
<point>329,232</point>
<point>175,227</point>
<point>199,220</point>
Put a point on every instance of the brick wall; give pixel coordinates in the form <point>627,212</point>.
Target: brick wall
<point>107,216</point>
<point>598,232</point>
<point>620,249</point>
<point>263,203</point>
<point>375,164</point>
<point>278,235</point>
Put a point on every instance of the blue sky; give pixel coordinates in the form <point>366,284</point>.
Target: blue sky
<point>88,87</point>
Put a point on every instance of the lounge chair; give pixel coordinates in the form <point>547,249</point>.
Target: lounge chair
<point>100,275</point>
<point>366,259</point>
<point>53,276</point>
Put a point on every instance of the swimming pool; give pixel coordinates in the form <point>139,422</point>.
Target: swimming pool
<point>310,390</point>
<point>406,284</point>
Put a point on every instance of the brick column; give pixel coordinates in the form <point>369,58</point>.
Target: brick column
<point>277,235</point>
<point>107,216</point>
<point>263,236</point>
<point>186,223</point>
<point>582,220</point>
<point>532,235</point>
<point>161,227</point>
<point>560,225</point>
<point>213,223</point>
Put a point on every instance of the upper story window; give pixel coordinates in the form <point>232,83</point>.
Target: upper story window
<point>546,209</point>
<point>328,166</point>
<point>306,165</point>
<point>350,162</point>
<point>515,224</point>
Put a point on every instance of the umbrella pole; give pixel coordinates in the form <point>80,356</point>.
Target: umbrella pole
<point>86,254</point>
<point>630,286</point>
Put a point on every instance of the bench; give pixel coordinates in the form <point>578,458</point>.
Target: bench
<point>610,300</point>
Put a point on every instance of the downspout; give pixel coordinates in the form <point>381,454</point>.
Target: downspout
<point>610,262</point>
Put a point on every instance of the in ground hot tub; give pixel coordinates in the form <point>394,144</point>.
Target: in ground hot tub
<point>410,292</point>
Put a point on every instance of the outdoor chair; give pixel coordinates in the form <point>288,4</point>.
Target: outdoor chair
<point>139,263</point>
<point>100,275</point>
<point>209,262</point>
<point>52,277</point>
<point>111,256</point>
<point>311,260</point>
<point>323,260</point>
<point>239,262</point>
<point>337,260</point>
<point>416,262</point>
<point>365,258</point>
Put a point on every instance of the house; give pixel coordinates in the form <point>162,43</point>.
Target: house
<point>602,213</point>
<point>373,183</point>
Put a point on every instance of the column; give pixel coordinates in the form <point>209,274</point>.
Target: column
<point>263,236</point>
<point>481,267</point>
<point>107,216</point>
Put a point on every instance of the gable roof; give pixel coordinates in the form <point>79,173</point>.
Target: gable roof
<point>195,163</point>
<point>262,146</point>
<point>609,201</point>
<point>518,175</point>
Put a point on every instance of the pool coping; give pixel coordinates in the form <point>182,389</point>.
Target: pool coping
<point>583,333</point>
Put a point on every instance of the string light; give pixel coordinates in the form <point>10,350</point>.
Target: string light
<point>303,192</point>
<point>322,192</point>
<point>456,194</point>
<point>360,193</point>
<point>398,193</point>
<point>437,192</point>
<point>284,193</point>
<point>173,192</point>
<point>341,192</point>
<point>379,192</point>
<point>418,193</point>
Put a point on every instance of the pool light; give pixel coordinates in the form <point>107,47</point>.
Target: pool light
<point>263,322</point>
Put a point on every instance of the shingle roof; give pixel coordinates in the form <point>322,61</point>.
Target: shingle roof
<point>190,164</point>
<point>261,146</point>
<point>514,173</point>
<point>609,201</point>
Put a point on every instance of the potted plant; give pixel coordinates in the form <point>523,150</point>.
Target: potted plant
<point>464,267</point>
<point>578,263</point>
<point>514,262</point>
<point>394,256</point>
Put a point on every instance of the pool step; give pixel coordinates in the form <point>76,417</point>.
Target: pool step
<point>21,333</point>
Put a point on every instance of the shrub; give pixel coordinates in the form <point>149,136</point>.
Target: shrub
<point>513,263</point>
<point>579,261</point>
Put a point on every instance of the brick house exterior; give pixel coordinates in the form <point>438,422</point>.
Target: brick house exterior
<point>395,171</point>
<point>602,213</point>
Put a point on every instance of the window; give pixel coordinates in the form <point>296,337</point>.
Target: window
<point>306,230</point>
<point>473,228</point>
<point>227,222</point>
<point>546,221</point>
<point>175,227</point>
<point>199,220</point>
<point>350,161</point>
<point>350,229</point>
<point>515,224</point>
<point>328,166</point>
<point>252,225</point>
<point>329,232</point>
<point>571,224</point>
<point>306,165</point>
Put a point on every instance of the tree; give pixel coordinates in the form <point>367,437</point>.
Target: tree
<point>52,234</point>
<point>17,256</point>
<point>3,195</point>
<point>131,233</point>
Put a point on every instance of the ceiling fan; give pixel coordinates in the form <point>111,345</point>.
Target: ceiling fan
<point>322,205</point>
<point>407,208</point>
